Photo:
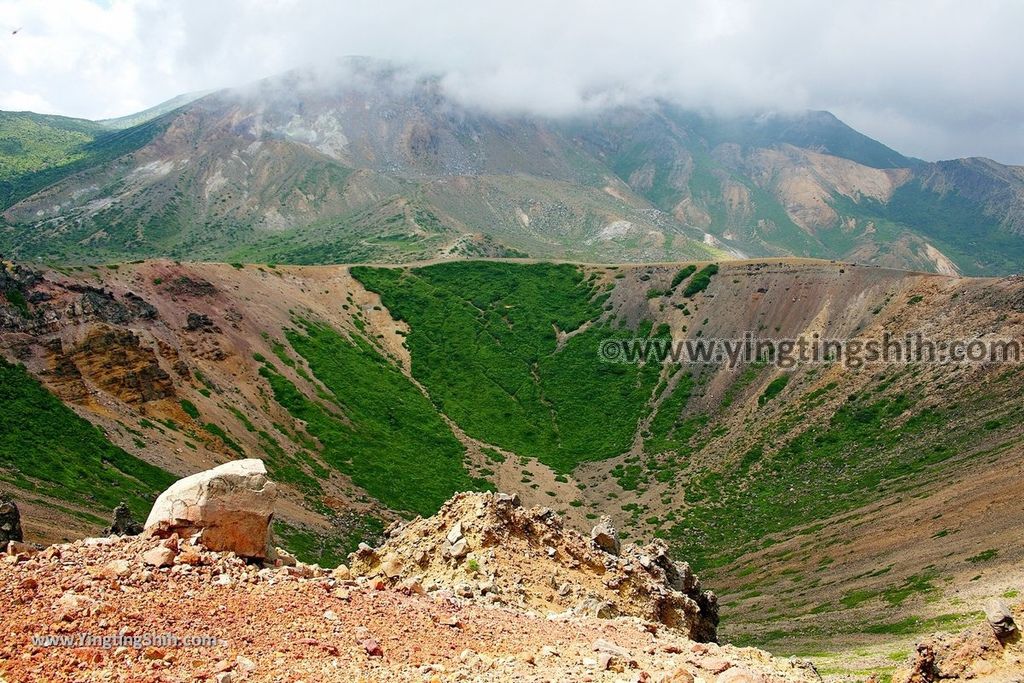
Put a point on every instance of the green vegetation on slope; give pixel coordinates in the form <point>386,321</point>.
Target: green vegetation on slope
<point>37,151</point>
<point>773,389</point>
<point>684,272</point>
<point>328,550</point>
<point>48,449</point>
<point>375,425</point>
<point>699,282</point>
<point>30,142</point>
<point>484,342</point>
<point>817,474</point>
<point>959,227</point>
<point>962,229</point>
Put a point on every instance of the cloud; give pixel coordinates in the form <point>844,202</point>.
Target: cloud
<point>932,78</point>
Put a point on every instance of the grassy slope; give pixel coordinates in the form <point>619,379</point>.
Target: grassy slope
<point>48,449</point>
<point>31,142</point>
<point>374,425</point>
<point>484,343</point>
<point>37,151</point>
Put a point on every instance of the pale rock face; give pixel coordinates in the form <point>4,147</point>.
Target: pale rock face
<point>606,537</point>
<point>230,507</point>
<point>1000,618</point>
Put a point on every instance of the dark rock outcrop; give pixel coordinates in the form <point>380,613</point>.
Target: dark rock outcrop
<point>200,322</point>
<point>10,521</point>
<point>123,524</point>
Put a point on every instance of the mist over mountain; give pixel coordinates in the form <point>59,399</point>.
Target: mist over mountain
<point>934,81</point>
<point>365,160</point>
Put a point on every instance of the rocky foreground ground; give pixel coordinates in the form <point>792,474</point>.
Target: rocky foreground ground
<point>301,623</point>
<point>486,590</point>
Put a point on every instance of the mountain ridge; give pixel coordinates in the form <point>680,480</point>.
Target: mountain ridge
<point>377,163</point>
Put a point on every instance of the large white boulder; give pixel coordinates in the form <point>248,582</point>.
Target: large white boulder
<point>230,507</point>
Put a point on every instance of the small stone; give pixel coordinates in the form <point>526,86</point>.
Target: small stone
<point>190,557</point>
<point>98,541</point>
<point>224,677</point>
<point>455,533</point>
<point>283,558</point>
<point>716,665</point>
<point>981,668</point>
<point>17,548</point>
<point>301,570</point>
<point>330,615</point>
<point>680,675</point>
<point>392,566</point>
<point>159,557</point>
<point>592,607</point>
<point>606,537</point>
<point>602,645</point>
<point>460,549</point>
<point>372,648</point>
<point>117,568</point>
<point>740,676</point>
<point>604,661</point>
<point>341,573</point>
<point>71,603</point>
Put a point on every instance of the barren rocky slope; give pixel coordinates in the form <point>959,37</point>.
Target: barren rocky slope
<point>428,605</point>
<point>838,511</point>
<point>297,622</point>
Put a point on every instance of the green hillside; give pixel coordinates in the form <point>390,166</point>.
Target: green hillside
<point>45,448</point>
<point>38,150</point>
<point>484,341</point>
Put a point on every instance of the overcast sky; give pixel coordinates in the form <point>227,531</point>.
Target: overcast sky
<point>933,79</point>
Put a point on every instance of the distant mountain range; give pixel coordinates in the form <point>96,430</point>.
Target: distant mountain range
<point>375,163</point>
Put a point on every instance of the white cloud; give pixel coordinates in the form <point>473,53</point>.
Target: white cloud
<point>18,100</point>
<point>933,78</point>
